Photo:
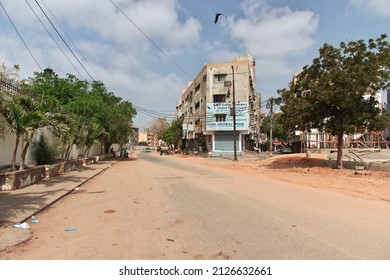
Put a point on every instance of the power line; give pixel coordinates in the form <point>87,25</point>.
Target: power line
<point>66,34</point>
<point>151,40</point>
<point>64,41</point>
<point>21,37</point>
<point>152,111</point>
<point>153,114</point>
<point>54,39</point>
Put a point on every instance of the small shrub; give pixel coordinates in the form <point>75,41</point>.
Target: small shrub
<point>44,153</point>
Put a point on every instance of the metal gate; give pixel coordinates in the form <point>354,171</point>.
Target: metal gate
<point>224,141</point>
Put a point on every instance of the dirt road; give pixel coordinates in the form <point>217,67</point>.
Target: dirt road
<point>165,207</point>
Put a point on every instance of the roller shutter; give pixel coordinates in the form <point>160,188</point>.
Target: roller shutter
<point>223,141</point>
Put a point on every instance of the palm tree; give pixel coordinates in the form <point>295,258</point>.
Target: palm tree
<point>23,116</point>
<point>93,132</point>
<point>33,119</point>
<point>2,121</point>
<point>13,114</point>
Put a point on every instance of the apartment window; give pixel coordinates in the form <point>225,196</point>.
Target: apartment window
<point>220,78</point>
<point>220,118</point>
<point>219,98</point>
<point>197,104</point>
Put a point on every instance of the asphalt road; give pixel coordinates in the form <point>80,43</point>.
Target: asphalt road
<point>162,207</point>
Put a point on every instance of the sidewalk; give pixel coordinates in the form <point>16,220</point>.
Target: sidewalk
<point>20,205</point>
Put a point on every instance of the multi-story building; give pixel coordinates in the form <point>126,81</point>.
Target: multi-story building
<point>206,107</point>
<point>148,137</point>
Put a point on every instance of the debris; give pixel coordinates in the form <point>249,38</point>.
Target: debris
<point>22,225</point>
<point>294,226</point>
<point>70,229</point>
<point>172,240</point>
<point>34,221</point>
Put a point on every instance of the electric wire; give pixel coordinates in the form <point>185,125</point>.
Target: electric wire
<point>151,40</point>
<point>153,114</point>
<point>20,36</point>
<point>68,37</point>
<point>54,39</point>
<point>156,112</point>
<point>74,55</point>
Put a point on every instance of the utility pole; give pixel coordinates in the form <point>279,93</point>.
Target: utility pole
<point>271,111</point>
<point>234,118</point>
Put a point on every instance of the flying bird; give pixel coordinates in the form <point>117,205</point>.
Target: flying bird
<point>217,15</point>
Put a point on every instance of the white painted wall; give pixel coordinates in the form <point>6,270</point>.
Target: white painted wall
<point>7,146</point>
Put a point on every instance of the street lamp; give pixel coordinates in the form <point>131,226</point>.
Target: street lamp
<point>234,118</point>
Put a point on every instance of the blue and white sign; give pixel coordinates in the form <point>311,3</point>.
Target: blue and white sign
<point>215,109</point>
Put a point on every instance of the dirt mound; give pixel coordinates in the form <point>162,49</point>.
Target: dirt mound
<point>290,161</point>
<point>313,172</point>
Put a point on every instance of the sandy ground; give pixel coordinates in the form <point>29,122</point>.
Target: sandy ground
<point>140,209</point>
<point>312,171</point>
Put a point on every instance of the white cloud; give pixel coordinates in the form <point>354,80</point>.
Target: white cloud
<point>274,31</point>
<point>274,35</point>
<point>375,7</point>
<point>156,19</point>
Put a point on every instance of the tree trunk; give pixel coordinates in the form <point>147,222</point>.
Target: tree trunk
<point>86,153</point>
<point>13,164</point>
<point>67,153</point>
<point>23,157</point>
<point>340,144</point>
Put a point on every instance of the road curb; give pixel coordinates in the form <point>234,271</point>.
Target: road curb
<point>65,194</point>
<point>11,237</point>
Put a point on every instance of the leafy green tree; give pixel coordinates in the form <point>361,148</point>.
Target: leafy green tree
<point>113,114</point>
<point>173,134</point>
<point>93,112</point>
<point>278,130</point>
<point>336,93</point>
<point>93,130</point>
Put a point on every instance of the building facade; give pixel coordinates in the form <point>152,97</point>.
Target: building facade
<point>206,107</point>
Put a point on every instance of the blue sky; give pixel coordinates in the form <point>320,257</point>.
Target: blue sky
<point>148,56</point>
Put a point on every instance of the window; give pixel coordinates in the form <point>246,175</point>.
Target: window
<point>219,98</point>
<point>220,118</point>
<point>197,106</point>
<point>220,78</point>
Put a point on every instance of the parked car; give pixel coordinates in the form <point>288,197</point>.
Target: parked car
<point>147,149</point>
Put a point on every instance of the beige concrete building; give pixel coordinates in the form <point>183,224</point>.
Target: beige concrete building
<point>148,137</point>
<point>206,106</point>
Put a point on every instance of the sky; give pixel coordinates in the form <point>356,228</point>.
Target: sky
<point>147,51</point>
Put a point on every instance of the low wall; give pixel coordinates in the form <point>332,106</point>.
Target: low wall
<point>13,180</point>
<point>359,165</point>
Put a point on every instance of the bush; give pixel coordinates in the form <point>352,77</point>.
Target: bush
<point>44,153</point>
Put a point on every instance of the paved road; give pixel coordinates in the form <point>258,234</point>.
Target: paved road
<point>161,207</point>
